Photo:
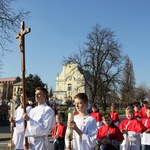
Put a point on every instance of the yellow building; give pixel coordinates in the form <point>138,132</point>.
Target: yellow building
<point>69,82</point>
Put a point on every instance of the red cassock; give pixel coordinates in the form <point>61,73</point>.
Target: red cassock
<point>143,111</point>
<point>137,114</point>
<point>112,130</point>
<point>97,116</point>
<point>60,129</point>
<point>114,116</point>
<point>132,125</point>
<point>146,122</point>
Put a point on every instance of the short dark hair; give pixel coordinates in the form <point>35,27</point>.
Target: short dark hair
<point>114,105</point>
<point>145,102</point>
<point>94,106</point>
<point>27,94</point>
<point>136,104</point>
<point>106,115</point>
<point>82,96</point>
<point>42,89</point>
<point>148,108</point>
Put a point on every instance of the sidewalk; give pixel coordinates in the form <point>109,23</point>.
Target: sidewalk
<point>5,133</point>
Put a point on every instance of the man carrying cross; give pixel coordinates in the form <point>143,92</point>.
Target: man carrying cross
<point>40,122</point>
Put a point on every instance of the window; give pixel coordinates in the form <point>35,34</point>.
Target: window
<point>69,87</point>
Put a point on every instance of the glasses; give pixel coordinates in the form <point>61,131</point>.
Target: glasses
<point>37,95</point>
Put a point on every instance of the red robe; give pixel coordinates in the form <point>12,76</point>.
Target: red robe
<point>143,111</point>
<point>112,130</point>
<point>114,116</point>
<point>132,125</point>
<point>61,129</point>
<point>97,116</point>
<point>146,122</point>
<point>137,114</point>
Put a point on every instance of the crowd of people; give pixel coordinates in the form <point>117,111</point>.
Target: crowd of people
<point>90,130</point>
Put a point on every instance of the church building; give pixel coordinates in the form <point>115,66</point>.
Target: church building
<point>69,82</point>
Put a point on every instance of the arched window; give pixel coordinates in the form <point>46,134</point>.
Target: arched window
<point>69,87</point>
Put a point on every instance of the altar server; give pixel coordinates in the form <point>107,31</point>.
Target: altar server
<point>40,122</point>
<point>84,126</point>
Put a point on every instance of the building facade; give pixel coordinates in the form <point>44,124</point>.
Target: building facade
<point>69,82</point>
<point>6,87</point>
<point>17,90</point>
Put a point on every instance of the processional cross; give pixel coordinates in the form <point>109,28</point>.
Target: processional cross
<point>21,37</point>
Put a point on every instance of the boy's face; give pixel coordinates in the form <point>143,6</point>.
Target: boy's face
<point>136,108</point>
<point>113,108</point>
<point>107,121</point>
<point>94,109</point>
<point>129,115</point>
<point>80,105</point>
<point>21,99</point>
<point>148,113</point>
<point>58,120</point>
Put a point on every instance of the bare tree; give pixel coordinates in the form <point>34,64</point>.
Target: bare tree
<point>102,57</point>
<point>142,92</point>
<point>9,24</point>
<point>128,82</point>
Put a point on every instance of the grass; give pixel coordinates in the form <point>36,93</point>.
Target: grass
<point>63,110</point>
<point>119,110</point>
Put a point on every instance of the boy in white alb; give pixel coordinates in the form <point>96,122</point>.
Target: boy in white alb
<point>84,126</point>
<point>131,129</point>
<point>145,137</point>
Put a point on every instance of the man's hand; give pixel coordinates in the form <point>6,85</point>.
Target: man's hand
<point>11,119</point>
<point>105,141</point>
<point>26,147</point>
<point>124,131</point>
<point>25,117</point>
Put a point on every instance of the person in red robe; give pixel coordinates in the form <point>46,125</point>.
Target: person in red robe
<point>137,112</point>
<point>114,115</point>
<point>109,136</point>
<point>143,109</point>
<point>145,138</point>
<point>131,129</point>
<point>58,133</point>
<point>96,114</point>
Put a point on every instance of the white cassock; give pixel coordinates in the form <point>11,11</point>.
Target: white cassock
<point>131,141</point>
<point>42,121</point>
<point>89,133</point>
<point>18,135</point>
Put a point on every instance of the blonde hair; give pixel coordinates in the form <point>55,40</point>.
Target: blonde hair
<point>129,109</point>
<point>59,116</point>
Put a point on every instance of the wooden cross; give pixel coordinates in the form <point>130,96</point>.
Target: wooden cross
<point>21,35</point>
<point>22,51</point>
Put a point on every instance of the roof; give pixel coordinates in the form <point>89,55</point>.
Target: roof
<point>8,79</point>
<point>18,84</point>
